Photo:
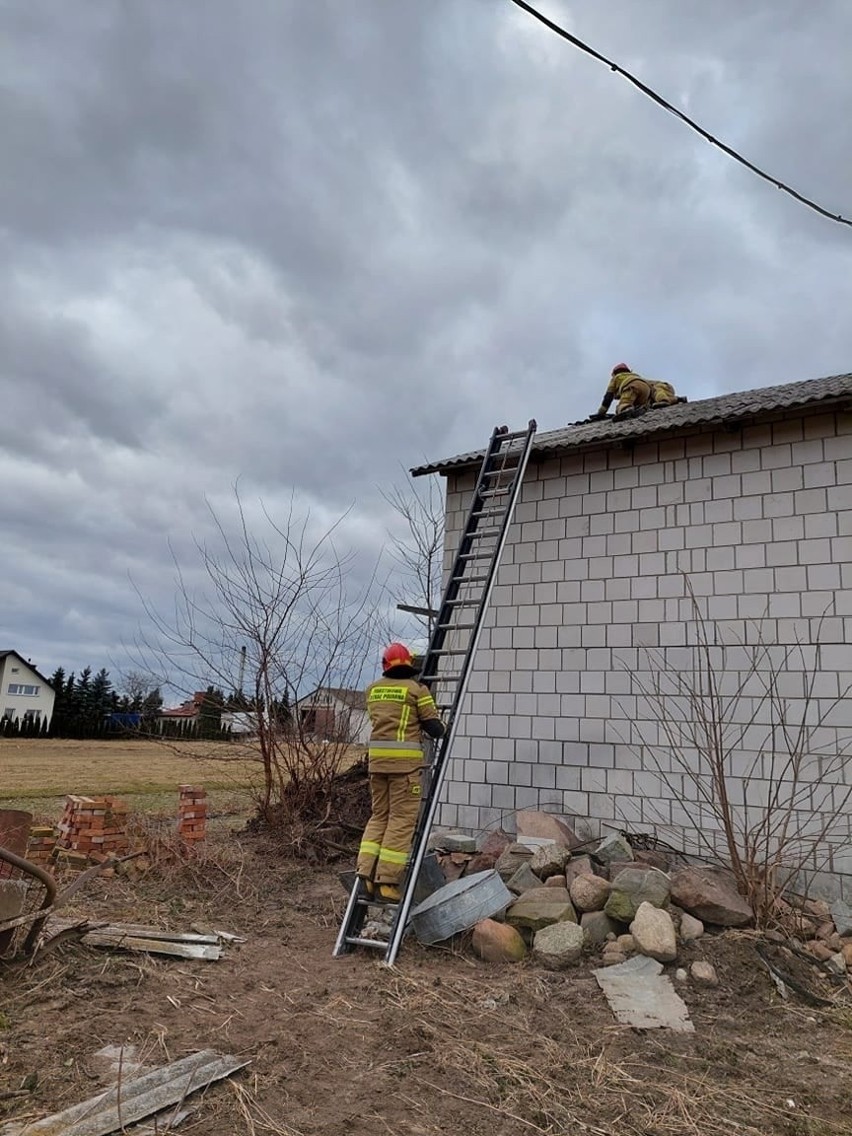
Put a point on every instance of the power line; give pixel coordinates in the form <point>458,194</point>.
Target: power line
<point>572,39</point>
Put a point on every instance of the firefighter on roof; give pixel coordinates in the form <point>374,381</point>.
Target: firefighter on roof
<point>401,710</point>
<point>635,393</point>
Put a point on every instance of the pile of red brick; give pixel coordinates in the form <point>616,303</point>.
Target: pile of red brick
<point>41,843</point>
<point>92,828</point>
<point>192,813</point>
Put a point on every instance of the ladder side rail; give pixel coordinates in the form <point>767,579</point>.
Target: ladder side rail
<point>453,584</point>
<point>341,946</point>
<point>437,782</point>
<point>452,589</point>
<point>488,578</point>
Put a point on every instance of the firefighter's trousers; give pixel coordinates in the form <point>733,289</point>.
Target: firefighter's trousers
<point>386,842</point>
<point>663,394</point>
<point>635,392</point>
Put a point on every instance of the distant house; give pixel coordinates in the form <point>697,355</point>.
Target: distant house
<point>25,694</point>
<point>335,714</point>
<point>188,713</point>
<point>745,501</point>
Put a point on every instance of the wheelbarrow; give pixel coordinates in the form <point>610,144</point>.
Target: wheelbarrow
<point>27,891</point>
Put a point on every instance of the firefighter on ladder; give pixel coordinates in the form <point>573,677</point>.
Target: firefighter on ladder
<point>401,710</point>
<point>635,394</point>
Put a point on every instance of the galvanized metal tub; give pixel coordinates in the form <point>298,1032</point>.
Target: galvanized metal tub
<point>460,905</point>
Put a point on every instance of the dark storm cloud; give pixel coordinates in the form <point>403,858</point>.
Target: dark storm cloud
<point>298,244</point>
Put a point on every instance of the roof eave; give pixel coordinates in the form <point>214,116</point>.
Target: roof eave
<point>729,423</point>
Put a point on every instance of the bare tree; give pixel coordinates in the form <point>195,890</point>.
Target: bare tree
<point>417,548</point>
<point>749,729</point>
<point>273,618</point>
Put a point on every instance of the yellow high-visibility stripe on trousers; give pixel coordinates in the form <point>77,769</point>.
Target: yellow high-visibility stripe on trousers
<point>393,857</point>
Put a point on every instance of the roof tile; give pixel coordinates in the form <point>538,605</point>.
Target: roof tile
<point>706,412</point>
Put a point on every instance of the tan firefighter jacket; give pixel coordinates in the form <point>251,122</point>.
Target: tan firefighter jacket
<point>397,706</point>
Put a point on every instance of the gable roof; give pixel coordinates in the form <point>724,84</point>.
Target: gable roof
<point>739,408</point>
<point>46,681</point>
<point>354,699</point>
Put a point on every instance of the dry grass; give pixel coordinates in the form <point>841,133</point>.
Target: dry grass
<point>553,1084</point>
<point>35,768</point>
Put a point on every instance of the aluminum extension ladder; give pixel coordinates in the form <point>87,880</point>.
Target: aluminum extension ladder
<point>448,659</point>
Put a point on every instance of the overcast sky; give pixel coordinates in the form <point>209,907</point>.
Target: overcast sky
<point>299,243</point>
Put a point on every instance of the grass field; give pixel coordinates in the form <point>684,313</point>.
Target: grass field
<point>36,774</point>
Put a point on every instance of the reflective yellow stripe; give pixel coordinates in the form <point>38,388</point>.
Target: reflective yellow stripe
<point>392,857</point>
<point>426,700</point>
<point>403,723</point>
<point>395,751</point>
<point>370,847</point>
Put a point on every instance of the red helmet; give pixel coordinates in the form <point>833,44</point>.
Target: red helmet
<point>396,655</point>
<point>619,367</point>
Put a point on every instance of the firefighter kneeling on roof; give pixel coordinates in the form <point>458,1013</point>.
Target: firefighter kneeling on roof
<point>635,393</point>
<point>401,710</point>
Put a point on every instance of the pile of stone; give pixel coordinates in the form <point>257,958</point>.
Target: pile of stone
<point>598,898</point>
<point>823,930</point>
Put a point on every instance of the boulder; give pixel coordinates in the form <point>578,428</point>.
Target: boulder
<point>596,927</point>
<point>510,859</point>
<point>841,913</point>
<point>578,866</point>
<point>690,928</point>
<point>710,894</point>
<point>613,847</point>
<point>524,879</point>
<point>495,843</point>
<point>455,842</point>
<point>550,860</point>
<point>481,862</point>
<point>837,963</point>
<point>540,907</point>
<point>846,951</point>
<point>633,887</point>
<point>627,943</point>
<point>546,826</point>
<point>497,942</point>
<point>819,950</point>
<point>589,893</point>
<point>559,882</point>
<point>654,934</point>
<point>613,955</point>
<point>653,859</point>
<point>705,973</point>
<point>558,945</point>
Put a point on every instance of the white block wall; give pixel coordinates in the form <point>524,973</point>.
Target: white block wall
<point>759,520</point>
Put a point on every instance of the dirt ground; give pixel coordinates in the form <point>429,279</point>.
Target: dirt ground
<point>442,1044</point>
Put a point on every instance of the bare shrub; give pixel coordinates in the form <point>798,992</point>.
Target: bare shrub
<point>743,734</point>
<point>276,617</point>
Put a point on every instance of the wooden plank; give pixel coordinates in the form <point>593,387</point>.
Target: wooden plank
<point>140,932</point>
<point>133,1100</point>
<point>129,942</point>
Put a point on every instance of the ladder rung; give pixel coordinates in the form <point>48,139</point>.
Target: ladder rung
<point>503,469</point>
<point>450,651</point>
<point>462,603</point>
<point>475,556</point>
<point>355,941</point>
<point>469,579</point>
<point>498,492</point>
<point>456,626</point>
<point>485,532</point>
